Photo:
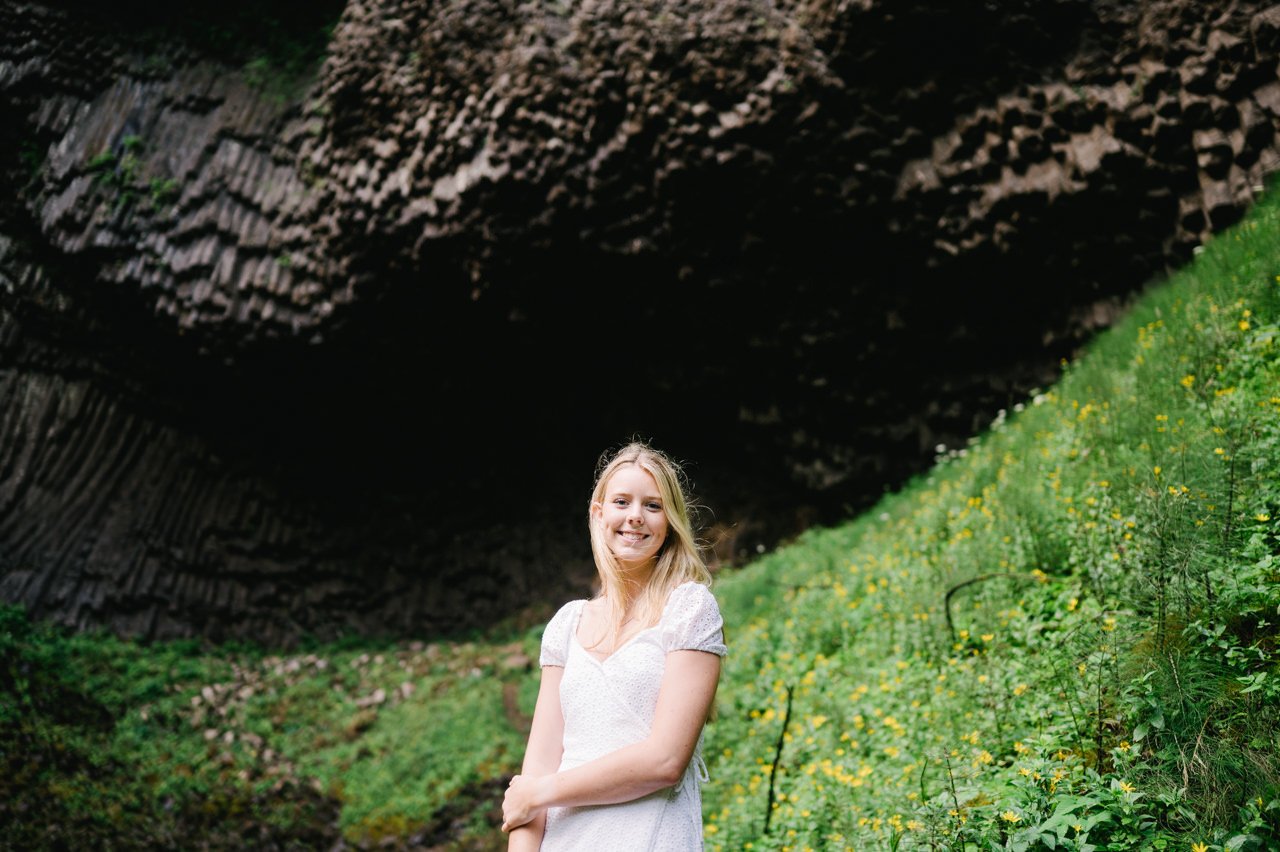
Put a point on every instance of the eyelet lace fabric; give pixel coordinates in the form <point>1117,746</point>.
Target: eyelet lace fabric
<point>608,704</point>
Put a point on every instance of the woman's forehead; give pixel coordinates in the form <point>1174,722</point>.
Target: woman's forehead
<point>631,477</point>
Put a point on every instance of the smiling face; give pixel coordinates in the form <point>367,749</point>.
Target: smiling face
<point>632,514</point>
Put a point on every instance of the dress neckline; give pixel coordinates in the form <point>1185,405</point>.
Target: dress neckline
<point>578,621</point>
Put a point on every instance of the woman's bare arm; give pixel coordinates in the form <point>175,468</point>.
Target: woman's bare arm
<point>684,700</point>
<point>542,754</point>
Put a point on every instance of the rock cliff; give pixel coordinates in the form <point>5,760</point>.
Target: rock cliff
<point>295,350</point>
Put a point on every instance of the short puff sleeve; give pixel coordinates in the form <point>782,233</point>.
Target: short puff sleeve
<point>692,622</point>
<point>555,638</point>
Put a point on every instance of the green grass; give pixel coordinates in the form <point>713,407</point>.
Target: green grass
<point>1110,558</point>
<point>1064,636</point>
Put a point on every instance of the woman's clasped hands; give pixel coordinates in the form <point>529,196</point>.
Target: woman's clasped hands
<point>520,805</point>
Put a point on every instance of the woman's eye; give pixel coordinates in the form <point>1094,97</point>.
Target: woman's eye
<point>655,507</point>
<point>619,502</point>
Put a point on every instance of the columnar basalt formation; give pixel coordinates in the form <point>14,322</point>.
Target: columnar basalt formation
<point>280,359</point>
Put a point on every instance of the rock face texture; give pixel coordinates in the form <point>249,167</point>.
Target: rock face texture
<point>285,356</point>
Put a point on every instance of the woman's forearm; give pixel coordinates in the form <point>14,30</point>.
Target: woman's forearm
<point>538,762</point>
<point>620,776</point>
<point>542,757</point>
<point>528,837</point>
<point>659,760</point>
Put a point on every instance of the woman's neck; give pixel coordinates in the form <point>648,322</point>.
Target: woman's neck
<point>632,580</point>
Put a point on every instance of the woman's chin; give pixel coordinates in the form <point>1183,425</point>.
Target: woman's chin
<point>631,561</point>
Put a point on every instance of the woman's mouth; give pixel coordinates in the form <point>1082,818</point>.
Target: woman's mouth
<point>632,536</point>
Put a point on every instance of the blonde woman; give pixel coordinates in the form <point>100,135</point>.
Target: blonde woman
<point>628,680</point>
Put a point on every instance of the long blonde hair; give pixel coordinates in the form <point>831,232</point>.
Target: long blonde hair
<point>678,561</point>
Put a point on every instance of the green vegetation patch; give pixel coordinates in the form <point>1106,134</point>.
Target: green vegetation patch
<point>114,742</point>
<point>1063,637</point>
<point>98,750</point>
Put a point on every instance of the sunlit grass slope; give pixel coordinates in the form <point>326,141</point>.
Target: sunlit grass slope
<point>1063,637</point>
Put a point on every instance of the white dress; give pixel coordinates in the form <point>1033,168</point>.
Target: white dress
<point>608,705</point>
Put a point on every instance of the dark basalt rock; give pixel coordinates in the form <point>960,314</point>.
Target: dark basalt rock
<point>281,362</point>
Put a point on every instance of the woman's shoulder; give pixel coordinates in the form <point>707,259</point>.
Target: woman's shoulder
<point>691,593</point>
<point>555,636</point>
<point>568,609</point>
<point>692,587</point>
<point>692,620</point>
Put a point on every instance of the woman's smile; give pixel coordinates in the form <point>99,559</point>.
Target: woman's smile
<point>634,515</point>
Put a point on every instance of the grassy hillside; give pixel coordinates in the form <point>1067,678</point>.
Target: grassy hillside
<point>1063,637</point>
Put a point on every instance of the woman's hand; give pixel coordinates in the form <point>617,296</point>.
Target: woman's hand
<point>521,804</point>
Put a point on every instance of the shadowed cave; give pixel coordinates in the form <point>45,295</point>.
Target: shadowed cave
<point>314,386</point>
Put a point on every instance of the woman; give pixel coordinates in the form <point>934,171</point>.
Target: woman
<point>628,680</point>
